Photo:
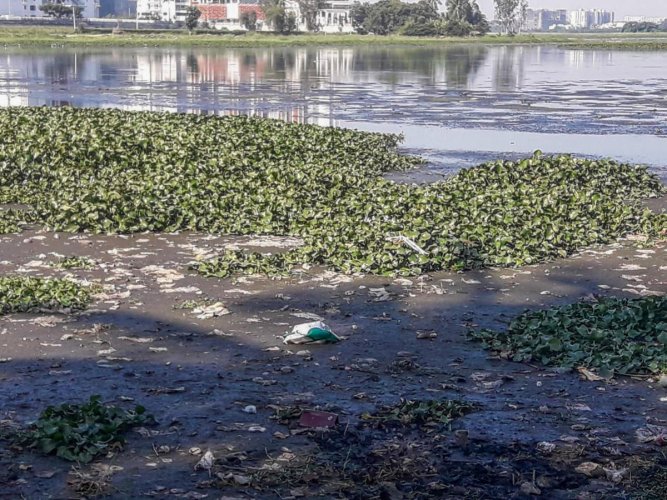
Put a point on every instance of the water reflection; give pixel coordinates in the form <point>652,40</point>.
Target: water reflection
<point>509,69</point>
<point>525,89</point>
<point>252,81</point>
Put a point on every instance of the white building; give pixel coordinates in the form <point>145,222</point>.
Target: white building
<point>644,19</point>
<point>30,8</point>
<point>163,10</point>
<point>585,19</point>
<point>149,9</point>
<point>333,17</point>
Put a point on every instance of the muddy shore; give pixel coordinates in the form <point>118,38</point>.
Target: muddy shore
<point>136,345</point>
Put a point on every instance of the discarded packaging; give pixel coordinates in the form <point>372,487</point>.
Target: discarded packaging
<point>530,489</point>
<point>653,434</point>
<point>546,447</point>
<point>616,475</point>
<point>318,419</point>
<point>206,462</point>
<point>404,240</point>
<point>590,469</point>
<point>311,333</point>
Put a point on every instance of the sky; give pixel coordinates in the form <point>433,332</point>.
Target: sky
<point>653,8</point>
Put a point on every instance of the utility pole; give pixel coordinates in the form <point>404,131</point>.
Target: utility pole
<point>73,7</point>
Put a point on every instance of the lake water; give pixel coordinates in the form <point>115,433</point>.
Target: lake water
<point>456,105</point>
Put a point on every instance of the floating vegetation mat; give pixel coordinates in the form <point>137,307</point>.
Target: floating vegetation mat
<point>26,294</point>
<point>624,336</point>
<point>111,171</point>
<point>10,221</point>
<point>238,262</point>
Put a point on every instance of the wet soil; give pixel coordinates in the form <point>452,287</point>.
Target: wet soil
<point>135,345</point>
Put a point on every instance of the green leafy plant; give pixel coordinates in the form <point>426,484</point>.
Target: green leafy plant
<point>10,221</point>
<point>238,262</point>
<point>75,262</point>
<point>112,171</point>
<point>612,335</point>
<point>420,413</point>
<point>79,433</point>
<point>26,294</point>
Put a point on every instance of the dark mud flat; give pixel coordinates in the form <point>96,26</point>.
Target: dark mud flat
<point>529,429</point>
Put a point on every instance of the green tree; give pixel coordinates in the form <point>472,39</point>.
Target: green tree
<point>192,18</point>
<point>464,17</point>
<point>278,17</point>
<point>59,10</point>
<point>309,10</point>
<point>458,10</point>
<point>478,19</point>
<point>643,27</point>
<point>390,16</point>
<point>249,20</point>
<point>358,15</point>
<point>508,13</point>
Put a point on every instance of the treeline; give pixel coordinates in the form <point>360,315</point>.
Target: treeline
<point>644,27</point>
<point>462,18</point>
<point>59,10</point>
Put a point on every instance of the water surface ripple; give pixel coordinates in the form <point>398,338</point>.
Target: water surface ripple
<point>457,105</point>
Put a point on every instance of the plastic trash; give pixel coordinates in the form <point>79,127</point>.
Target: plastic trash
<point>311,333</point>
<point>318,419</point>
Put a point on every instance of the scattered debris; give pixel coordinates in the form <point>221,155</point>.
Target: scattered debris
<point>379,294</point>
<point>316,332</point>
<point>654,434</point>
<point>212,311</point>
<point>318,419</point>
<point>206,462</point>
<point>546,447</point>
<point>590,469</point>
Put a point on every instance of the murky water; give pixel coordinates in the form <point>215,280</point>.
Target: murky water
<point>456,105</point>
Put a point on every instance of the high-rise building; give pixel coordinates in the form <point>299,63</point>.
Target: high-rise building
<point>544,19</point>
<point>549,18</point>
<point>585,19</point>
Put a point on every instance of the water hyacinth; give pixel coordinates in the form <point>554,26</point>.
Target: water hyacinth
<point>612,335</point>
<point>8,223</point>
<point>111,171</point>
<point>27,294</point>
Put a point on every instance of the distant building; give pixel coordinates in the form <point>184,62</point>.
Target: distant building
<point>544,19</point>
<point>149,9</point>
<point>332,17</point>
<point>227,13</point>
<point>644,19</point>
<point>30,8</point>
<point>169,11</point>
<point>118,8</point>
<point>531,24</point>
<point>586,19</point>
